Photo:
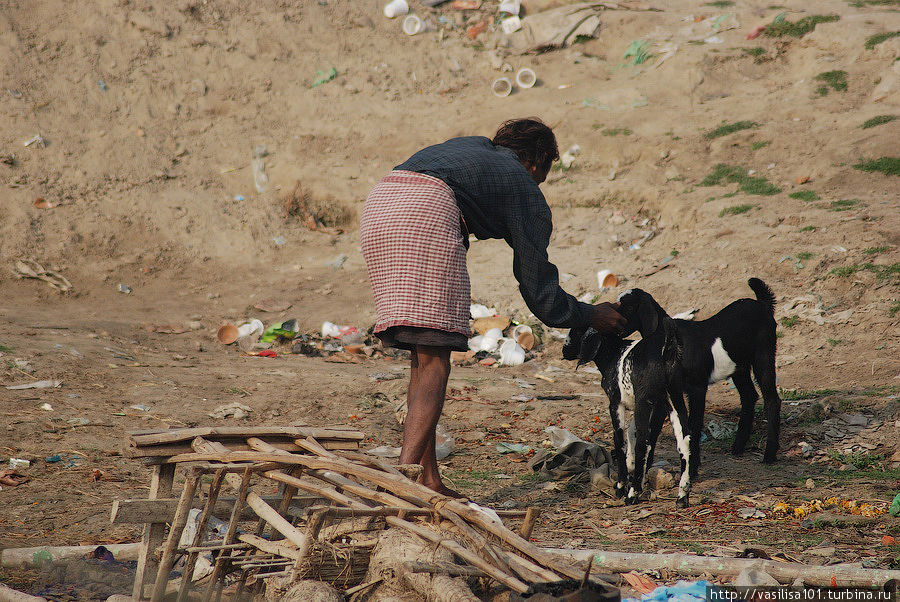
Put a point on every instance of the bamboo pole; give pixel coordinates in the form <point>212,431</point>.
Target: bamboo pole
<point>242,490</point>
<point>531,516</point>
<point>191,561</point>
<point>188,434</point>
<point>685,564</point>
<point>161,483</point>
<point>271,547</point>
<point>178,523</point>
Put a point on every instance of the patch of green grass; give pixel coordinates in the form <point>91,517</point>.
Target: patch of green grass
<point>737,209</point>
<point>805,195</point>
<point>845,271</point>
<point>834,342</point>
<point>760,144</point>
<point>782,27</point>
<point>807,229</point>
<point>617,131</point>
<point>720,3</point>
<point>798,394</point>
<point>723,173</point>
<point>861,3</point>
<point>876,121</point>
<point>803,255</point>
<point>894,309</point>
<point>756,52</point>
<point>790,321</point>
<point>730,128</point>
<point>882,272</point>
<point>5,349</point>
<point>887,165</point>
<point>876,250</point>
<point>712,198</point>
<point>470,479</point>
<point>843,205</point>
<point>859,460</point>
<point>878,38</point>
<point>836,80</point>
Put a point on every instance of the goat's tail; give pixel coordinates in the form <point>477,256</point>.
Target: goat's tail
<point>763,293</point>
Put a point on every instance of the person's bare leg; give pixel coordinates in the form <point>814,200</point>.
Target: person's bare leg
<point>430,370</point>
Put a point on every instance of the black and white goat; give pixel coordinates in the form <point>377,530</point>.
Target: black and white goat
<point>643,377</point>
<point>740,337</point>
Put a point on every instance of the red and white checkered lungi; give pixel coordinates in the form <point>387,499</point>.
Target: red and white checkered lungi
<point>413,245</point>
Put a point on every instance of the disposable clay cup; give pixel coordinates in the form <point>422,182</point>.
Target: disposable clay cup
<point>606,279</point>
<point>523,336</point>
<point>413,24</point>
<point>227,334</point>
<point>396,8</point>
<point>526,78</point>
<point>502,86</point>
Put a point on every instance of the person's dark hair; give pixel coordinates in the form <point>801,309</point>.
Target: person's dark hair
<point>531,139</point>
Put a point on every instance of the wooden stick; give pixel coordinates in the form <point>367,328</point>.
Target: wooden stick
<point>685,564</point>
<point>178,523</point>
<point>271,547</point>
<point>531,516</point>
<point>362,586</point>
<point>320,490</point>
<point>160,487</point>
<point>479,543</point>
<point>242,490</point>
<point>191,562</point>
<point>442,568</point>
<point>188,434</point>
<point>454,547</point>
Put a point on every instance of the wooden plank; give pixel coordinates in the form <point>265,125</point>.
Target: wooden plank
<point>163,509</point>
<point>175,531</point>
<point>286,444</point>
<point>188,434</point>
<point>160,487</point>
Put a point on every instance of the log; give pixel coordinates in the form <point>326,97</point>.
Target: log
<point>162,510</point>
<point>8,594</point>
<point>160,486</point>
<point>22,558</point>
<point>189,434</point>
<point>685,564</point>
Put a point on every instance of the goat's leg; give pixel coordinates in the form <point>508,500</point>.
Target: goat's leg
<point>639,449</point>
<point>764,370</point>
<point>657,418</point>
<point>679,417</point>
<point>749,397</point>
<point>696,395</point>
<point>617,415</point>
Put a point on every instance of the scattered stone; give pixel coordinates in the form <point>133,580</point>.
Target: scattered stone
<point>660,479</point>
<point>810,484</point>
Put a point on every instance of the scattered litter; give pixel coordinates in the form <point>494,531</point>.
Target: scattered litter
<point>12,478</point>
<point>502,87</point>
<point>232,410</point>
<point>510,7</point>
<point>751,513</point>
<point>850,506</point>
<point>485,325</point>
<point>511,353</point>
<point>444,444</point>
<point>513,448</point>
<point>46,407</point>
<point>40,384</point>
<point>29,268</point>
<point>606,279</point>
<point>480,311</point>
<point>575,458</point>
<point>719,430</point>
<point>639,583</point>
<point>36,139</point>
<point>396,8</point>
<point>260,178</point>
<point>384,451</point>
<point>102,85</point>
<point>560,437</point>
<point>266,353</point>
<point>754,33</point>
<point>287,329</point>
<point>124,289</point>
<point>714,40</point>
<point>17,463</point>
<point>323,77</point>
<point>638,51</point>
<point>511,25</point>
<point>568,157</point>
<point>338,262</point>
<point>557,27</point>
<point>140,407</point>
<point>42,203</point>
<point>466,4</point>
<point>895,506</point>
<point>751,577</point>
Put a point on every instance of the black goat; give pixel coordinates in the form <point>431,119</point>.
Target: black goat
<point>740,337</point>
<point>645,377</point>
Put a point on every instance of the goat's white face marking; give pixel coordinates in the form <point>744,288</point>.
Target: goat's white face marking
<point>626,388</point>
<point>723,366</point>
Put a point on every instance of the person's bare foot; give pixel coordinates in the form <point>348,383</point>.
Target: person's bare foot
<point>439,487</point>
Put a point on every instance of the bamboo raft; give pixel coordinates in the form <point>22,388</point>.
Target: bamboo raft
<point>331,504</point>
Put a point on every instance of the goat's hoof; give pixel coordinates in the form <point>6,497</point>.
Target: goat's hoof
<point>770,458</point>
<point>631,500</point>
<point>682,502</point>
<point>737,450</point>
<point>619,491</point>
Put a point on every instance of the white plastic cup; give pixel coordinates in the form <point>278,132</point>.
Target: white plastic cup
<point>511,25</point>
<point>330,329</point>
<point>502,86</point>
<point>606,279</point>
<point>251,328</point>
<point>511,354</point>
<point>510,7</point>
<point>396,8</point>
<point>412,25</point>
<point>526,78</point>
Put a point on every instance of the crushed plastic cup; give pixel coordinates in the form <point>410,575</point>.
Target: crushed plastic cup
<point>502,86</point>
<point>526,78</point>
<point>511,353</point>
<point>478,310</point>
<point>413,24</point>
<point>524,336</point>
<point>396,8</point>
<point>349,335</point>
<point>511,25</point>
<point>444,444</point>
<point>510,7</point>
<point>16,463</point>
<point>606,279</point>
<point>251,328</point>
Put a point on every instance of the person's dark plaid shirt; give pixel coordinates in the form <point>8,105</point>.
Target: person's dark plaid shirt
<point>499,199</point>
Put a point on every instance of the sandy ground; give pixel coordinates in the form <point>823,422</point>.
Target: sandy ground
<point>149,112</point>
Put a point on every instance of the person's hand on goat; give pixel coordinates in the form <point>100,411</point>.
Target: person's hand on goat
<point>607,319</point>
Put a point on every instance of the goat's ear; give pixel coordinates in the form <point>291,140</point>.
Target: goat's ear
<point>590,345</point>
<point>648,315</point>
<point>572,346</point>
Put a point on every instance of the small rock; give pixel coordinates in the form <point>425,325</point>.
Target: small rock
<point>660,479</point>
<point>195,325</point>
<point>600,478</point>
<point>810,484</point>
<point>824,551</point>
<point>806,449</point>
